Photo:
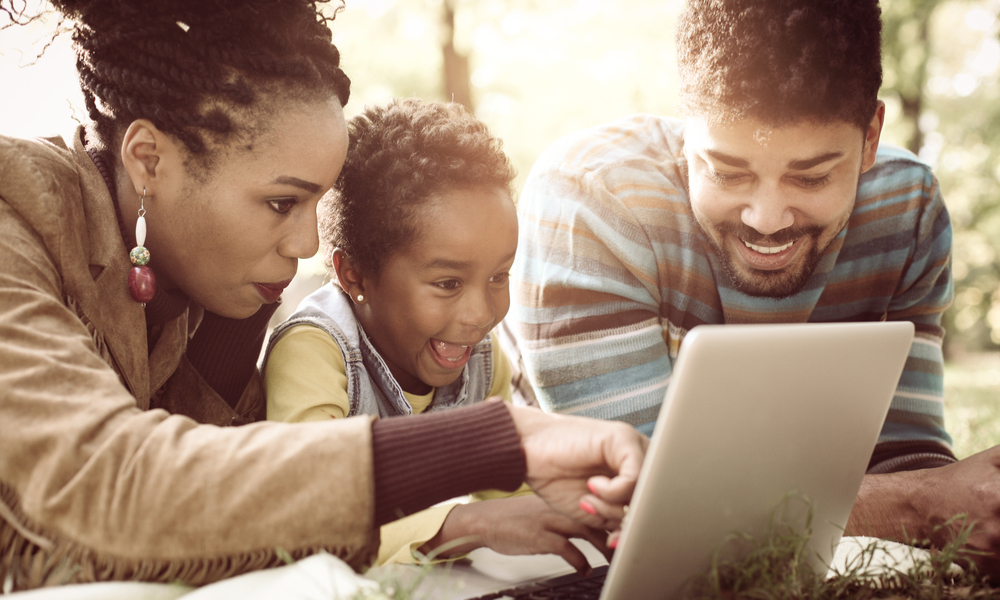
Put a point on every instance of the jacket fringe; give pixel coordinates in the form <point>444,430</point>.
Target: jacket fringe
<point>31,559</point>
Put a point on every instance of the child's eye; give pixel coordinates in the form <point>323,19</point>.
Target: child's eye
<point>500,277</point>
<point>282,205</point>
<point>448,284</point>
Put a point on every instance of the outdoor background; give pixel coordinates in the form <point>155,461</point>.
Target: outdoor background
<point>536,69</point>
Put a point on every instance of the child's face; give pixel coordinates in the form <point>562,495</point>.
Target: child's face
<point>436,299</point>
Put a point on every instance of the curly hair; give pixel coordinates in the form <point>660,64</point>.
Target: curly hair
<point>401,155</point>
<point>198,66</point>
<point>781,61</point>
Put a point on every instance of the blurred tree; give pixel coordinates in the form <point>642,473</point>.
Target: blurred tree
<point>457,80</point>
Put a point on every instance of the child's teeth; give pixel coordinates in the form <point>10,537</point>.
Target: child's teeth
<point>768,249</point>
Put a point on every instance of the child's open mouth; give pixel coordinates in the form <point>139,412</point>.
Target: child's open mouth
<point>449,355</point>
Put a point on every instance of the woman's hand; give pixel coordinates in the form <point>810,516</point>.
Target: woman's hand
<point>520,525</point>
<point>584,468</point>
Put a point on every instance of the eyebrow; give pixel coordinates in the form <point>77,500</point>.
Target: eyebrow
<point>455,265</point>
<point>808,163</point>
<point>299,183</point>
<point>795,165</point>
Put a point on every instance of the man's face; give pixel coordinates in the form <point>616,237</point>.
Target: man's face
<point>771,200</point>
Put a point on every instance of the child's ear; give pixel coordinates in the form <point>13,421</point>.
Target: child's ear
<point>348,276</point>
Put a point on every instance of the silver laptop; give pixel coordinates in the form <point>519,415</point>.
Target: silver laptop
<point>755,416</point>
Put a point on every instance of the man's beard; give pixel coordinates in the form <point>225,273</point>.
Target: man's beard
<point>762,283</point>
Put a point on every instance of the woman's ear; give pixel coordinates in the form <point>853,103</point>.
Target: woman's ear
<point>349,277</point>
<point>147,153</point>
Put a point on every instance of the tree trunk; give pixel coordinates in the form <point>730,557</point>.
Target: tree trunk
<point>457,81</point>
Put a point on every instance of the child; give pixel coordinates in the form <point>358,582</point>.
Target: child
<point>419,236</point>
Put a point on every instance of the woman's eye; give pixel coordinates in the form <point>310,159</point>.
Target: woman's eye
<point>500,277</point>
<point>448,284</point>
<point>282,205</point>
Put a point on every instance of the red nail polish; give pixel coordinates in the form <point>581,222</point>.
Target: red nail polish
<point>590,486</point>
<point>587,508</point>
<point>613,544</point>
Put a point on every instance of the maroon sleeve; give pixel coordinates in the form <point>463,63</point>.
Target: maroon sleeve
<point>425,459</point>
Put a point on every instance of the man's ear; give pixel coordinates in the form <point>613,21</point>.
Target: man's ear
<point>872,135</point>
<point>349,277</point>
<point>146,154</point>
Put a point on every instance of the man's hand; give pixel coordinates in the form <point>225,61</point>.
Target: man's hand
<point>907,506</point>
<point>584,468</point>
<point>521,525</point>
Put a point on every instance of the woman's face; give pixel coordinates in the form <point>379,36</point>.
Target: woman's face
<point>232,242</point>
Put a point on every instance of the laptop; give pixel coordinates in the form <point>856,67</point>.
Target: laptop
<point>755,417</point>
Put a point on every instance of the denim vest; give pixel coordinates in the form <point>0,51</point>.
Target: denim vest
<point>371,388</point>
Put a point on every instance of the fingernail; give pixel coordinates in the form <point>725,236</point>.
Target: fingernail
<point>587,507</point>
<point>590,486</point>
<point>613,544</point>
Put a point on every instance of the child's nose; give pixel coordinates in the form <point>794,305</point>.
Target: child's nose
<point>479,311</point>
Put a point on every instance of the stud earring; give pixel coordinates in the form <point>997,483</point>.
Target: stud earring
<point>361,297</point>
<point>141,280</point>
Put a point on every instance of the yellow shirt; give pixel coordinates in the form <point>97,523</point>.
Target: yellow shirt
<point>306,380</point>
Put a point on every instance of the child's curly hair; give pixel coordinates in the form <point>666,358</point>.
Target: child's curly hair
<point>400,156</point>
<point>781,61</point>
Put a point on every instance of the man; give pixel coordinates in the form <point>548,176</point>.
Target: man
<point>771,202</point>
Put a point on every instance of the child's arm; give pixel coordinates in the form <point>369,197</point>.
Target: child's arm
<point>305,378</point>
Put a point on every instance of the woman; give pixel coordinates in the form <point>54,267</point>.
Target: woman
<point>140,260</point>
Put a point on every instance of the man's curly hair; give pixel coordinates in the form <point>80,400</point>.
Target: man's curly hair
<point>780,61</point>
<point>401,155</point>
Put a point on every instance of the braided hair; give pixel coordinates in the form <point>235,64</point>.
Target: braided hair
<point>781,61</point>
<point>194,67</point>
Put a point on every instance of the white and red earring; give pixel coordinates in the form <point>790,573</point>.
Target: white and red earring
<point>141,280</point>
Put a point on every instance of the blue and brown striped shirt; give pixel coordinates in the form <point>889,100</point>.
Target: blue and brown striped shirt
<point>612,271</point>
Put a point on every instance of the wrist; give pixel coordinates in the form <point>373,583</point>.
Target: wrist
<point>458,534</point>
<point>892,506</point>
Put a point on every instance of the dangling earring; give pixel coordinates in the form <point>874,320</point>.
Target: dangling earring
<point>141,280</point>
<point>361,298</point>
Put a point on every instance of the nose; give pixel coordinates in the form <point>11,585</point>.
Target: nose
<point>302,240</point>
<point>479,310</point>
<point>767,211</point>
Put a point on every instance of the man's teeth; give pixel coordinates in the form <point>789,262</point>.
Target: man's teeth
<point>768,249</point>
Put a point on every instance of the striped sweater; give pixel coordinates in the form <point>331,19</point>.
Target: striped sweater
<point>612,271</point>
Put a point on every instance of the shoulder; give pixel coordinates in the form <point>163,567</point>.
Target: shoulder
<point>40,178</point>
<point>643,145</point>
<point>897,173</point>
<point>34,164</point>
<point>634,164</point>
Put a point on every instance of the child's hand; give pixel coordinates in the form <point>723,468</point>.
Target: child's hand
<point>521,525</point>
<point>584,468</point>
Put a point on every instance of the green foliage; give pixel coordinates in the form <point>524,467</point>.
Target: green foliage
<point>777,566</point>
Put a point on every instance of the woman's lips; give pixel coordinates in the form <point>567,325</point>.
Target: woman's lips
<point>271,291</point>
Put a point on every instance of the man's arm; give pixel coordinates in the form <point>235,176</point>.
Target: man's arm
<point>915,489</point>
<point>585,307</point>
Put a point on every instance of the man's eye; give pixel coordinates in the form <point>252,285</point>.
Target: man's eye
<point>813,182</point>
<point>724,178</point>
<point>282,205</point>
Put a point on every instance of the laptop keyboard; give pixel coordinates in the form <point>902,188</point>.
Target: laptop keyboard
<point>567,587</point>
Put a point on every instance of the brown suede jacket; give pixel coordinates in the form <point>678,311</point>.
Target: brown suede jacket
<point>96,485</point>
